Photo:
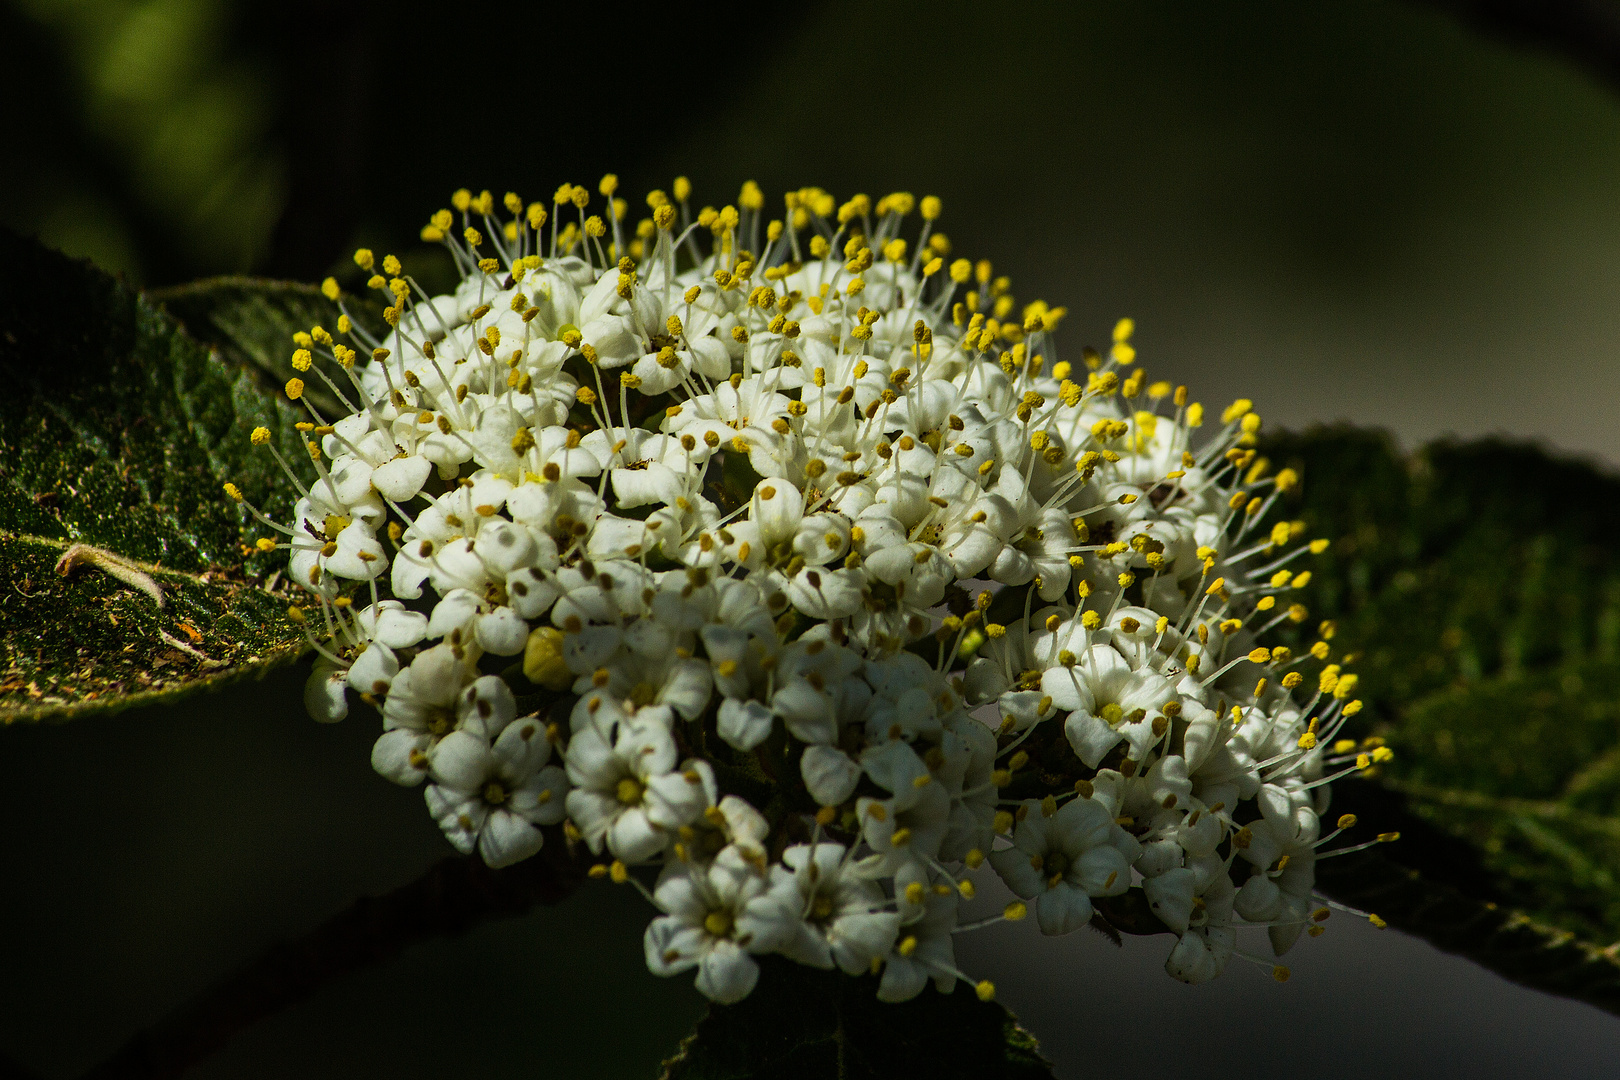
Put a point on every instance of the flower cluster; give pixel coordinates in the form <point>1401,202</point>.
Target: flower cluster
<point>786,558</point>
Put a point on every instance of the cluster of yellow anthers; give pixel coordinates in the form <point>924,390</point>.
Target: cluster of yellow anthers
<point>726,483</point>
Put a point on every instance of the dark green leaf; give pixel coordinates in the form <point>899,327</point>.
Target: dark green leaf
<point>252,321</point>
<point>1480,584</point>
<point>804,1024</point>
<point>118,431</point>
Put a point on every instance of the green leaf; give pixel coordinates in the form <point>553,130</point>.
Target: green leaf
<point>805,1024</point>
<point>251,321</point>
<point>1480,584</point>
<point>117,432</point>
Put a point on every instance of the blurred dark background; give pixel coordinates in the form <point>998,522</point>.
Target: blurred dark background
<point>1403,215</point>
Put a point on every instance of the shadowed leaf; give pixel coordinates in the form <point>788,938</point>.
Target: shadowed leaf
<point>1480,584</point>
<point>251,321</point>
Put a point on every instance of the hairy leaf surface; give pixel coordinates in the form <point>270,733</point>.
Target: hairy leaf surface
<point>1480,585</point>
<point>117,432</point>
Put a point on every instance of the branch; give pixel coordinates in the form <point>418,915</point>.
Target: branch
<point>1584,32</point>
<point>455,895</point>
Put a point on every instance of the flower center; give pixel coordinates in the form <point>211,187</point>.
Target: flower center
<point>1111,713</point>
<point>1056,864</point>
<point>644,693</point>
<point>495,793</point>
<point>718,923</point>
<point>783,557</point>
<point>821,908</point>
<point>440,721</point>
<point>629,791</point>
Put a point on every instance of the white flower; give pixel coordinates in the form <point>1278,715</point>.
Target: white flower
<point>389,623</point>
<point>733,541</point>
<point>762,680</point>
<point>1108,701</point>
<point>492,797</point>
<point>744,412</point>
<point>373,671</point>
<point>924,948</point>
<point>715,915</point>
<point>967,757</point>
<point>628,794</point>
<point>1063,860</point>
<point>654,673</point>
<point>458,514</point>
<point>351,551</point>
<point>1203,949</point>
<point>910,825</point>
<point>325,691</point>
<point>425,704</point>
<point>732,823</point>
<point>1283,898</point>
<point>838,915</point>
